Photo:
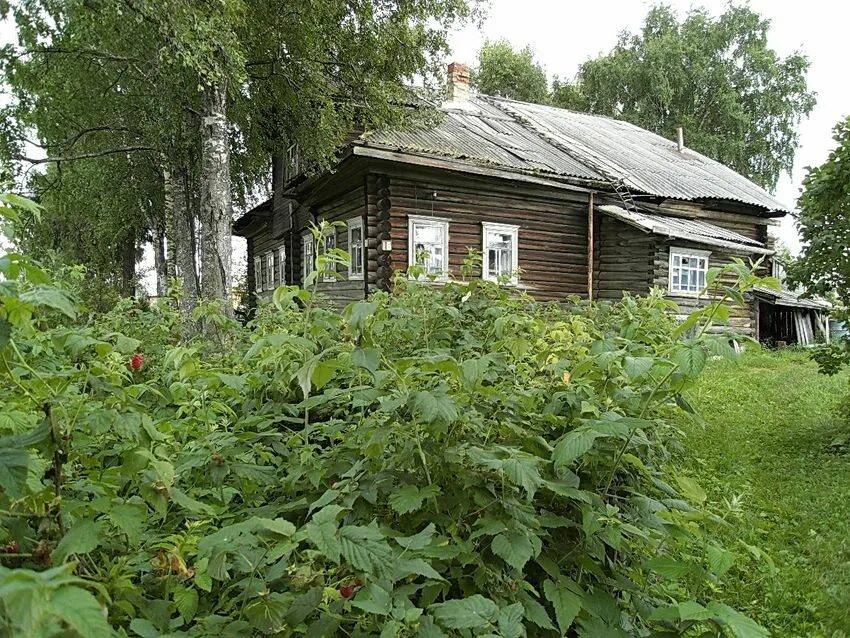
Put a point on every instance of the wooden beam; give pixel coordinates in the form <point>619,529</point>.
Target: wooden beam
<point>590,246</point>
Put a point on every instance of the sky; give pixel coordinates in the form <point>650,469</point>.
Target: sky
<point>564,33</point>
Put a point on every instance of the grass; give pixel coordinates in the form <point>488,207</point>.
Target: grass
<point>767,454</point>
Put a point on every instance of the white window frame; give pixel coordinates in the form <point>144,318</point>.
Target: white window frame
<point>258,273</point>
<point>307,248</point>
<point>487,227</point>
<point>281,265</point>
<point>356,268</point>
<point>417,220</point>
<point>330,234</point>
<point>269,271</point>
<point>692,253</point>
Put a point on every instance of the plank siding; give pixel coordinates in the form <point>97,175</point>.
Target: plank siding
<point>552,238</point>
<point>624,259</point>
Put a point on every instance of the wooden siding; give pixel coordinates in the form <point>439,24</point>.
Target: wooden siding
<point>624,259</point>
<point>552,238</point>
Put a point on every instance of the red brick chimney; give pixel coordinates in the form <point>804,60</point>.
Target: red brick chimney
<point>458,82</point>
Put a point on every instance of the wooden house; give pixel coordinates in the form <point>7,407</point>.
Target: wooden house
<point>577,204</point>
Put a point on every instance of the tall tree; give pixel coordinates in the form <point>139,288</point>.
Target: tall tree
<point>738,101</point>
<point>503,70</point>
<point>824,223</point>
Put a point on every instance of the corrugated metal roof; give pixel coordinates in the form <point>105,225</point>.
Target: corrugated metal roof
<point>689,229</point>
<point>559,143</point>
<point>792,299</point>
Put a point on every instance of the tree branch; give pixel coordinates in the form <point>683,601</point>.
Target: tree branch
<point>81,156</point>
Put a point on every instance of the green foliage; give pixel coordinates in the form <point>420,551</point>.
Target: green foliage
<point>737,100</point>
<point>454,460</point>
<point>772,456</point>
<point>504,71</point>
<point>824,267</point>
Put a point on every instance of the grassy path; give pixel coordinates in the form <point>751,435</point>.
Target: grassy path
<point>768,436</point>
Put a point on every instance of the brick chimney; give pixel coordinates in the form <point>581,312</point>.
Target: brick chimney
<point>458,82</point>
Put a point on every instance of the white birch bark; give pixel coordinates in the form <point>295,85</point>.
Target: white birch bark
<point>182,244</point>
<point>216,202</point>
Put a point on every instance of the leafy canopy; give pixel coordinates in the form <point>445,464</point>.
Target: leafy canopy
<point>503,70</point>
<point>738,101</point>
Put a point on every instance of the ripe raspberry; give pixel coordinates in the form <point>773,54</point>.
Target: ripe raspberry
<point>136,361</point>
<point>12,548</point>
<point>346,591</point>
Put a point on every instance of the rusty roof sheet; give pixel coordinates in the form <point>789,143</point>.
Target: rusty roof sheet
<point>554,142</point>
<point>688,229</point>
<point>791,299</point>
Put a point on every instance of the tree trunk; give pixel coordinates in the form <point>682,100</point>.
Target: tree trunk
<point>128,266</point>
<point>216,203</point>
<point>183,234</point>
<point>159,262</point>
<point>169,229</point>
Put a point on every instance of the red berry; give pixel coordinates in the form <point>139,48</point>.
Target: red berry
<point>346,591</point>
<point>12,548</point>
<point>136,361</point>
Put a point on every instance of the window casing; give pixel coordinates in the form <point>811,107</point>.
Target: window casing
<point>281,265</point>
<point>355,248</point>
<point>688,270</point>
<point>428,245</point>
<point>309,257</point>
<point>268,271</point>
<point>330,244</point>
<point>500,252</point>
<point>258,274</point>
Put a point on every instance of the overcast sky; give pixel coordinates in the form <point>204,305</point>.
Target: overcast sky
<point>564,34</point>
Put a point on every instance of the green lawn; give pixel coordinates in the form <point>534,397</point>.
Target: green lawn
<point>769,436</point>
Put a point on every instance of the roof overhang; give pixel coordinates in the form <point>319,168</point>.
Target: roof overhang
<point>694,230</point>
<point>790,299</point>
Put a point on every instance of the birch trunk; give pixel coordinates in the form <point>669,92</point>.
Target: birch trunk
<point>216,204</point>
<point>159,262</point>
<point>128,266</point>
<point>184,243</point>
<point>170,258</point>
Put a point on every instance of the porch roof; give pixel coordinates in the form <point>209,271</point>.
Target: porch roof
<point>688,229</point>
<point>790,299</point>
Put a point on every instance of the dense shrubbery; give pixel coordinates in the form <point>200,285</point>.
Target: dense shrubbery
<point>453,460</point>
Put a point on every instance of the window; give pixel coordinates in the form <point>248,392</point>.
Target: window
<point>499,252</point>
<point>281,265</point>
<point>268,272</point>
<point>309,255</point>
<point>258,274</point>
<point>355,248</point>
<point>428,245</point>
<point>330,244</point>
<point>687,270</point>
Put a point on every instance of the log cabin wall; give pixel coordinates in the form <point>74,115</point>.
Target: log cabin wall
<point>552,236</point>
<point>624,259</point>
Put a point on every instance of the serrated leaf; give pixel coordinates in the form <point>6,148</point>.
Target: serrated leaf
<point>740,625</point>
<point>365,549</point>
<point>434,406</point>
<point>719,560</point>
<point>419,540</point>
<point>322,531</point>
<point>468,613</point>
<point>373,600</point>
<point>13,470</point>
<point>369,358</point>
<point>82,538</point>
<point>303,606</point>
<point>510,621</point>
<point>669,568</point>
<point>690,489</point>
<point>573,445</point>
<point>523,472</point>
<point>429,629</point>
<point>129,518</point>
<point>535,612</point>
<point>565,601</point>
<point>637,367</point>
<point>188,503</point>
<point>406,566</point>
<point>690,360</point>
<point>267,613</point>
<point>81,611</point>
<point>186,601</point>
<point>406,499</point>
<point>692,610</point>
<point>50,297</point>
<point>513,548</point>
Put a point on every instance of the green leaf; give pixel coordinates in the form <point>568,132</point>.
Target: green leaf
<point>369,358</point>
<point>668,568</point>
<point>535,612</point>
<point>419,540</point>
<point>691,490</point>
<point>322,531</point>
<point>186,601</point>
<point>188,503</point>
<point>82,538</point>
<point>427,628</point>
<point>573,445</point>
<point>404,567</point>
<point>468,613</point>
<point>373,600</point>
<point>513,548</point>
<point>434,406</point>
<point>565,600</point>
<point>129,518</point>
<point>523,471</point>
<point>5,332</point>
<point>690,360</point>
<point>692,610</point>
<point>720,560</point>
<point>409,498</point>
<point>81,611</point>
<point>13,470</point>
<point>303,606</point>
<point>44,295</point>
<point>637,367</point>
<point>267,613</point>
<point>366,549</point>
<point>740,625</point>
<point>510,621</point>
<point>125,344</point>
